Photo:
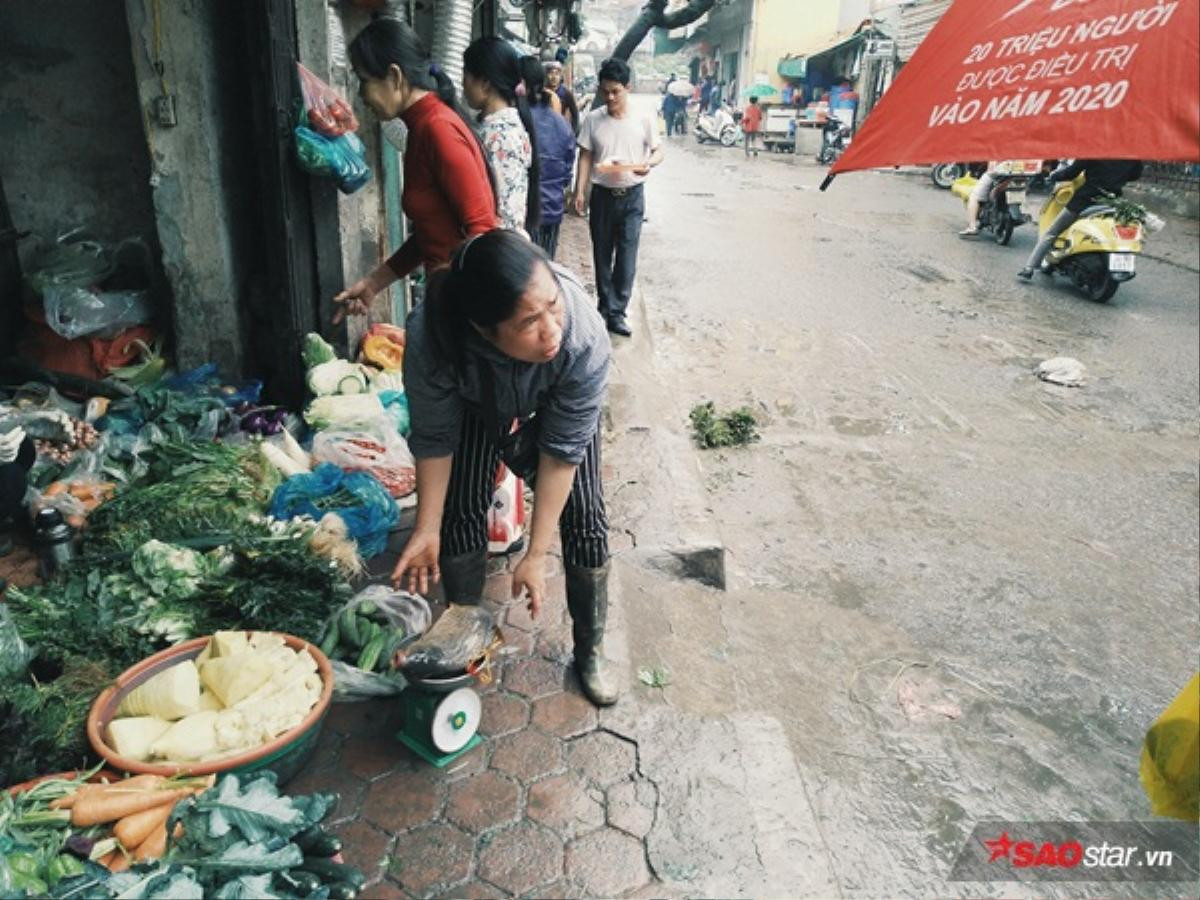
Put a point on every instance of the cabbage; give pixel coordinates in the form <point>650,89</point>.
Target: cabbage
<point>316,351</point>
<point>352,410</point>
<point>338,376</point>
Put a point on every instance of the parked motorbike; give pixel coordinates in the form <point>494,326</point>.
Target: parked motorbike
<point>1098,252</point>
<point>718,127</point>
<point>945,174</point>
<point>1000,213</point>
<point>835,138</point>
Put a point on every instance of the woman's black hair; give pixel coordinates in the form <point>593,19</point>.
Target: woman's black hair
<point>386,42</point>
<point>495,61</point>
<point>482,286</point>
<point>533,73</point>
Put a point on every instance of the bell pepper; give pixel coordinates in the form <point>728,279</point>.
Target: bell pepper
<point>393,333</point>
<point>382,352</point>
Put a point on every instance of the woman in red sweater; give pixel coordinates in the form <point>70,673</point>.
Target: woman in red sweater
<point>448,190</point>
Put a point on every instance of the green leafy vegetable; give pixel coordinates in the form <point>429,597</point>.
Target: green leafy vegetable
<point>732,429</point>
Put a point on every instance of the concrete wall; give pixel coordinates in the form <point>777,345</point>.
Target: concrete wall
<point>196,168</point>
<point>73,151</point>
<point>785,26</point>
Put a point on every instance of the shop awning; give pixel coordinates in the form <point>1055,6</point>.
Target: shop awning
<point>795,65</point>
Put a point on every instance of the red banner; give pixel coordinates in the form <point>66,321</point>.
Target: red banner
<point>1046,79</point>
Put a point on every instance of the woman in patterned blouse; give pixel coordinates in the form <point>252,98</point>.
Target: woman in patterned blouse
<point>491,75</point>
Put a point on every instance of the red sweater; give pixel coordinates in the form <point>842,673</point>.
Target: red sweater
<point>447,194</point>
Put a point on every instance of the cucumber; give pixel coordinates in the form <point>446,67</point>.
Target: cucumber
<point>330,641</point>
<point>368,659</point>
<point>342,890</point>
<point>301,882</point>
<point>315,841</point>
<point>349,627</point>
<point>332,872</point>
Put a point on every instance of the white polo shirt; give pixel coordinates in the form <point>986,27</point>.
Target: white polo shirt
<point>630,139</point>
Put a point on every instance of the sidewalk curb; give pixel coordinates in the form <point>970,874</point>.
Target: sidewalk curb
<point>679,536</point>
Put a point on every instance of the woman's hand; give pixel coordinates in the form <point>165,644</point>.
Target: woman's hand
<point>356,299</point>
<point>530,577</point>
<point>580,203</point>
<point>419,561</point>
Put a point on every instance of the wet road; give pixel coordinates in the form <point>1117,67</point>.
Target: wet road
<point>961,593</point>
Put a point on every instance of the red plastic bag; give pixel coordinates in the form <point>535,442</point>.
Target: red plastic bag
<point>327,112</point>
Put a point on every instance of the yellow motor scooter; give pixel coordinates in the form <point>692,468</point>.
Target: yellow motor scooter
<point>1097,252</point>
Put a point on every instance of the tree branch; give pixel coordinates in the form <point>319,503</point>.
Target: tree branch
<point>654,15</point>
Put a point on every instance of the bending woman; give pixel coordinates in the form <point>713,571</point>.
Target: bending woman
<point>491,75</point>
<point>448,191</point>
<point>504,334</point>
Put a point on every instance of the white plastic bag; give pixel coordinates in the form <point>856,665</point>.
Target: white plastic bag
<point>376,448</point>
<point>506,516</point>
<point>399,616</point>
<point>75,312</point>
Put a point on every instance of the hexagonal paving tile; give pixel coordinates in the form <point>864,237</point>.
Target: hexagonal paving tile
<point>476,890</point>
<point>556,644</point>
<point>365,847</point>
<point>471,763</point>
<point>601,757</point>
<point>498,588</point>
<point>521,858</point>
<point>534,678</point>
<point>528,755</point>
<point>335,780</point>
<point>503,713</point>
<point>631,806</point>
<point>384,890</point>
<point>482,802</point>
<point>607,863</point>
<point>370,756</point>
<point>403,800</point>
<point>565,803</point>
<point>565,715</point>
<point>518,644</point>
<point>429,857</point>
<point>380,717</point>
<point>559,890</point>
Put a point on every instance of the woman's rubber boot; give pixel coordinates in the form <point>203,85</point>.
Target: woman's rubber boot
<point>463,576</point>
<point>587,600</point>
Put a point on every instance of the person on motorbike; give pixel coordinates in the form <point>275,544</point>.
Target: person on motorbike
<point>1101,178</point>
<point>983,190</point>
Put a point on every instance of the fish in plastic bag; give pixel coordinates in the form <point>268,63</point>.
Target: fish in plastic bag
<point>462,636</point>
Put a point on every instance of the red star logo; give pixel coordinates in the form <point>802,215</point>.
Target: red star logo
<point>999,847</point>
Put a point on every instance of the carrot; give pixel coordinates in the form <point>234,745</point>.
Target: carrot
<point>67,801</point>
<point>134,829</point>
<point>154,846</point>
<point>53,490</point>
<point>107,859</point>
<point>119,861</point>
<point>110,804</point>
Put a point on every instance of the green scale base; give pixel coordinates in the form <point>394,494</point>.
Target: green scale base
<point>419,708</point>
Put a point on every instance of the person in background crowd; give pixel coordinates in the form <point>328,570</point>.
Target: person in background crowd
<point>556,151</point>
<point>504,334</point>
<point>751,125</point>
<point>491,75</point>
<point>1101,177</point>
<point>554,81</point>
<point>17,456</point>
<point>449,193</point>
<point>706,92</point>
<point>618,148</point>
<point>717,93</point>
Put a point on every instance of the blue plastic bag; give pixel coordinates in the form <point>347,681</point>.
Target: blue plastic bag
<point>395,404</point>
<point>344,158</point>
<point>368,521</point>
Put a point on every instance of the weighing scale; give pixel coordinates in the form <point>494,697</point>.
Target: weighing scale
<point>441,716</point>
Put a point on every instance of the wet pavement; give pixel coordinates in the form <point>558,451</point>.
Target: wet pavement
<point>956,593</point>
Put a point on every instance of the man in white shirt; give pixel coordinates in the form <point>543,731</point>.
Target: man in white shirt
<point>617,150</point>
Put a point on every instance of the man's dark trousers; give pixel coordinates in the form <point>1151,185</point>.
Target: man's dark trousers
<point>616,226</point>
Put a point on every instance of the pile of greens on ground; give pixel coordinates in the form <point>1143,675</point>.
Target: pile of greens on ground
<point>103,615</point>
<point>190,491</point>
<point>731,429</point>
<point>241,839</point>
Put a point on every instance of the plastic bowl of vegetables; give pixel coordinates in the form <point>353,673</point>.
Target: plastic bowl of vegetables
<point>237,701</point>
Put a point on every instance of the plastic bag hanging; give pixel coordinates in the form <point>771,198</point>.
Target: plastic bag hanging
<point>328,113</point>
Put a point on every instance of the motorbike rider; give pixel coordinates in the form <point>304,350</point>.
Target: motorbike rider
<point>1101,177</point>
<point>983,190</point>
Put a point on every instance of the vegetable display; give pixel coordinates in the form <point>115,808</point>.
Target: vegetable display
<point>189,839</point>
<point>244,690</point>
<point>362,636</point>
